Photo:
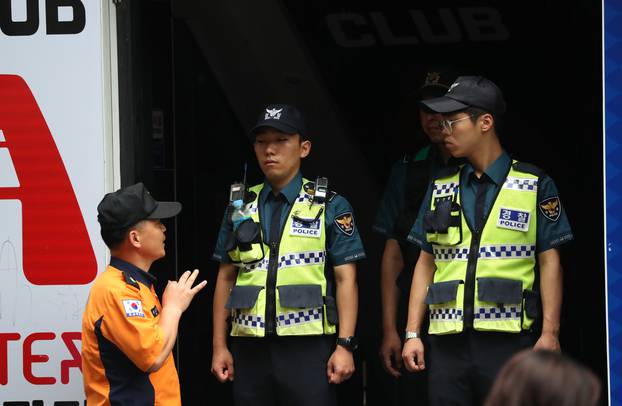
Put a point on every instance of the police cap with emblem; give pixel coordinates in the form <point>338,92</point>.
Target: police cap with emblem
<point>469,91</point>
<point>437,81</point>
<point>129,205</point>
<point>282,117</point>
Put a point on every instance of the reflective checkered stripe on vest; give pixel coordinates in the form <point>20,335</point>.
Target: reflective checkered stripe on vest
<point>505,259</point>
<point>300,284</point>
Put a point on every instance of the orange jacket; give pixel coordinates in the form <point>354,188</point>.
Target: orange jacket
<point>121,339</point>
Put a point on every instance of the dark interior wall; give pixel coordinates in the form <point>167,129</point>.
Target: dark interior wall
<point>182,137</point>
<point>546,56</point>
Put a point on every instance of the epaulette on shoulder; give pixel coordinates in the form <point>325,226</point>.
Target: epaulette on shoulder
<point>330,195</point>
<point>406,158</point>
<point>527,168</point>
<point>130,280</point>
<point>447,171</point>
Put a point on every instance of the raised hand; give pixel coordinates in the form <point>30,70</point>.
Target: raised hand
<point>178,294</point>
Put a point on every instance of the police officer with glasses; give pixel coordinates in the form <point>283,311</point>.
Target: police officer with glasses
<point>490,232</point>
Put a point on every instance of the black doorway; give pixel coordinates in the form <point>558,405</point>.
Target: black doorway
<point>193,76</point>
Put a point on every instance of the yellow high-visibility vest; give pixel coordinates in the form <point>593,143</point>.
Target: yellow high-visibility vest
<point>301,285</point>
<point>489,272</point>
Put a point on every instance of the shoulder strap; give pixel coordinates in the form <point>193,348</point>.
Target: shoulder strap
<point>447,171</point>
<point>130,280</point>
<point>417,181</point>
<point>527,168</point>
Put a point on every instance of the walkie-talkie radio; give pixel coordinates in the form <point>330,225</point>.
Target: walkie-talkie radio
<point>238,189</point>
<point>237,192</point>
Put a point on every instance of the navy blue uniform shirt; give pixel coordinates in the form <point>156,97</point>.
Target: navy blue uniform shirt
<point>549,233</point>
<point>393,201</point>
<point>340,247</point>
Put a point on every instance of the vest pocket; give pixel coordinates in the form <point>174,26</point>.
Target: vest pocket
<point>445,303</point>
<point>247,242</point>
<point>243,297</point>
<point>443,225</point>
<point>299,310</point>
<point>498,306</point>
<point>247,305</point>
<point>300,295</point>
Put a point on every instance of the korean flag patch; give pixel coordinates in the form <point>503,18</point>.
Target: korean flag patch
<point>306,228</point>
<point>345,223</point>
<point>133,308</point>
<point>513,219</point>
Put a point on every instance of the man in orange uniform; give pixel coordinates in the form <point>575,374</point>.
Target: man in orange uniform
<point>127,336</point>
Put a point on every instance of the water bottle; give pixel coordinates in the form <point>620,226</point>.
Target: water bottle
<point>240,213</point>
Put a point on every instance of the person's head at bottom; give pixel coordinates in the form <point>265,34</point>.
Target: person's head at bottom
<point>539,378</point>
<point>130,224</point>
<point>281,142</point>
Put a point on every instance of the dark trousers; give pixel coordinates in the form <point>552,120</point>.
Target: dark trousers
<point>282,371</point>
<point>411,389</point>
<point>463,367</point>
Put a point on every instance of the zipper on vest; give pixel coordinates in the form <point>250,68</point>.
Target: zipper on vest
<point>469,283</point>
<point>476,238</point>
<point>273,265</point>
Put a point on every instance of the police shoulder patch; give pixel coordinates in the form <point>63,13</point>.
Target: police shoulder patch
<point>133,308</point>
<point>551,208</point>
<point>527,168</point>
<point>345,223</point>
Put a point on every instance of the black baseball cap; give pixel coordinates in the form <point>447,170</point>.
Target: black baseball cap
<point>437,81</point>
<point>129,205</point>
<point>469,91</point>
<point>282,117</point>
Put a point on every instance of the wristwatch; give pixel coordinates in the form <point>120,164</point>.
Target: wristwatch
<point>349,343</point>
<point>411,334</point>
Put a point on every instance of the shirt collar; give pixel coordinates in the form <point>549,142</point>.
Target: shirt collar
<point>132,270</point>
<point>496,172</point>
<point>291,191</point>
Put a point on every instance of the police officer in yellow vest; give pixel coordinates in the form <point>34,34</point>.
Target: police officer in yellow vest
<point>287,278</point>
<point>489,233</point>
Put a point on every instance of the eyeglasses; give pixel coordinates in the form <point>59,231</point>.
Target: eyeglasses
<point>446,124</point>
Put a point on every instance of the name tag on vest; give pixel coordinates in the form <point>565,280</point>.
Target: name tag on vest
<point>303,229</point>
<point>513,219</point>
